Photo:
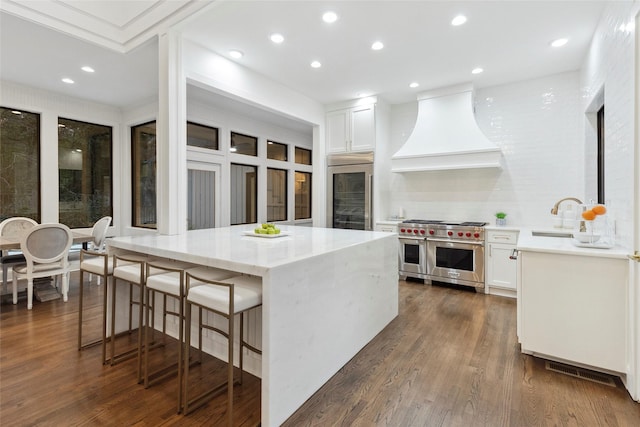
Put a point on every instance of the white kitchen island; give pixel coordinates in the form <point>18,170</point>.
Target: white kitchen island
<point>326,294</point>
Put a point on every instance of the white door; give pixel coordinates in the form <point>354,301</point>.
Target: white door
<point>203,197</point>
<point>635,266</point>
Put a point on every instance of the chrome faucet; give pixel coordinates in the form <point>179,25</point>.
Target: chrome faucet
<point>554,209</point>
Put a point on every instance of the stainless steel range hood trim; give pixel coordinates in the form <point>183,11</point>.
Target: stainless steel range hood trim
<point>446,135</point>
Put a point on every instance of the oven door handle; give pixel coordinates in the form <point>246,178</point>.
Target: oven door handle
<point>456,241</point>
<point>412,239</point>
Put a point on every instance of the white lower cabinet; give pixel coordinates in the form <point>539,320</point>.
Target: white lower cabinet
<point>389,226</point>
<point>501,272</point>
<point>574,308</point>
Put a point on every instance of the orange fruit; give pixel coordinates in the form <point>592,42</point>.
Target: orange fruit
<point>599,210</point>
<point>589,215</point>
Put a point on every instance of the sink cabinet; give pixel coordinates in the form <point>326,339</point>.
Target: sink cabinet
<point>573,308</point>
<point>501,266</point>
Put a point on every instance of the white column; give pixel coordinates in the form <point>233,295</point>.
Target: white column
<point>49,166</point>
<point>171,139</point>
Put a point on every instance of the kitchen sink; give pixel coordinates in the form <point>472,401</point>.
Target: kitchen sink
<point>564,234</point>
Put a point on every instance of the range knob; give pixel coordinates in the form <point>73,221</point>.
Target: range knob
<point>460,234</point>
<point>476,235</point>
<point>450,233</point>
<point>468,234</point>
<point>402,230</point>
<point>431,232</point>
<point>415,231</point>
<point>422,232</point>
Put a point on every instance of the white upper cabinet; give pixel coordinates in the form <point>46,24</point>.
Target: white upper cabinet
<point>351,129</point>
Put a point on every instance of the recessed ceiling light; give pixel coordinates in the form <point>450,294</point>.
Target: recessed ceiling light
<point>377,45</point>
<point>67,80</point>
<point>234,53</point>
<point>477,70</point>
<point>88,69</point>
<point>330,17</point>
<point>414,85</point>
<point>458,20</point>
<point>60,125</point>
<point>559,42</point>
<point>16,112</point>
<point>316,64</point>
<point>277,38</point>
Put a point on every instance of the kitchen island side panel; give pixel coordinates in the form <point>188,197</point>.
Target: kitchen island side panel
<point>317,314</point>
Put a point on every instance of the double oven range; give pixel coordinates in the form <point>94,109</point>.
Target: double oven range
<point>442,251</point>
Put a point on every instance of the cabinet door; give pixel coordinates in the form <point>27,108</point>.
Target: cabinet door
<point>337,131</point>
<point>501,270</point>
<point>363,128</point>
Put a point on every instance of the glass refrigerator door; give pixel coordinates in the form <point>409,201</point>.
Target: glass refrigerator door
<point>349,200</point>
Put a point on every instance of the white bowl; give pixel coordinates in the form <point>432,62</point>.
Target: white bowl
<point>586,237</point>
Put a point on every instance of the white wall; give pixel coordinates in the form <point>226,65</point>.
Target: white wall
<point>609,69</point>
<point>537,124</point>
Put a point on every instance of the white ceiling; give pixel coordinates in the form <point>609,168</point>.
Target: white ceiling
<point>509,39</point>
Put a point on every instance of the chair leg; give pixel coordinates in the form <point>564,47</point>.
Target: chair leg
<point>105,298</point>
<point>230,373</point>
<point>15,289</point>
<point>29,294</point>
<point>80,303</point>
<point>65,287</point>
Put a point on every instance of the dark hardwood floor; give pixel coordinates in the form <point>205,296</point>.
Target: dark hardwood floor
<point>451,358</point>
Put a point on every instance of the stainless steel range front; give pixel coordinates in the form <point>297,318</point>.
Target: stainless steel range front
<point>441,251</point>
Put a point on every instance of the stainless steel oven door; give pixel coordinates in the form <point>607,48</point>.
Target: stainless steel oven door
<point>456,262</point>
<point>413,257</point>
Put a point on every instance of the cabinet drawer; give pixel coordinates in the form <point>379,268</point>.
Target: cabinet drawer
<point>499,236</point>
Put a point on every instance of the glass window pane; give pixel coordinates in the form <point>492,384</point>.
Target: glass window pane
<point>303,195</point>
<point>19,164</point>
<point>202,136</point>
<point>84,172</point>
<point>244,144</point>
<point>276,151</point>
<point>276,195</point>
<point>244,194</point>
<point>303,156</point>
<point>143,155</point>
<point>201,199</point>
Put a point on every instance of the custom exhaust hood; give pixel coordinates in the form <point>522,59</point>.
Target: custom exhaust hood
<point>446,135</point>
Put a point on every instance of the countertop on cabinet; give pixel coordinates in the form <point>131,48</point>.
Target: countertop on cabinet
<point>562,245</point>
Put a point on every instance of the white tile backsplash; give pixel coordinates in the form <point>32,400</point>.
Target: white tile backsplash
<point>538,126</point>
<point>544,127</point>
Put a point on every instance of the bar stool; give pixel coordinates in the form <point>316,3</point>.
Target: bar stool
<point>131,269</point>
<point>95,260</point>
<point>171,284</point>
<point>226,298</point>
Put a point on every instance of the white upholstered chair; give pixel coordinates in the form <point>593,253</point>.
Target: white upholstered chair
<point>13,227</point>
<point>46,252</point>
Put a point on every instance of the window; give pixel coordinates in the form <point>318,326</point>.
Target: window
<point>19,164</point>
<point>143,158</point>
<point>244,144</point>
<point>202,136</point>
<point>276,151</point>
<point>276,195</point>
<point>84,172</point>
<point>244,194</point>
<point>303,195</point>
<point>601,155</point>
<point>303,156</point>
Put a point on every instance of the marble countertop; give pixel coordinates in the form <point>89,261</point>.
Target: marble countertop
<point>562,245</point>
<point>229,248</point>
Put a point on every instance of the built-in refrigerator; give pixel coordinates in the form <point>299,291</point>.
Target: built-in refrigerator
<point>350,191</point>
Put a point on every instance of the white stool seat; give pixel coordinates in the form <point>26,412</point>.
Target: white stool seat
<point>95,265</point>
<point>169,283</point>
<point>247,293</point>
